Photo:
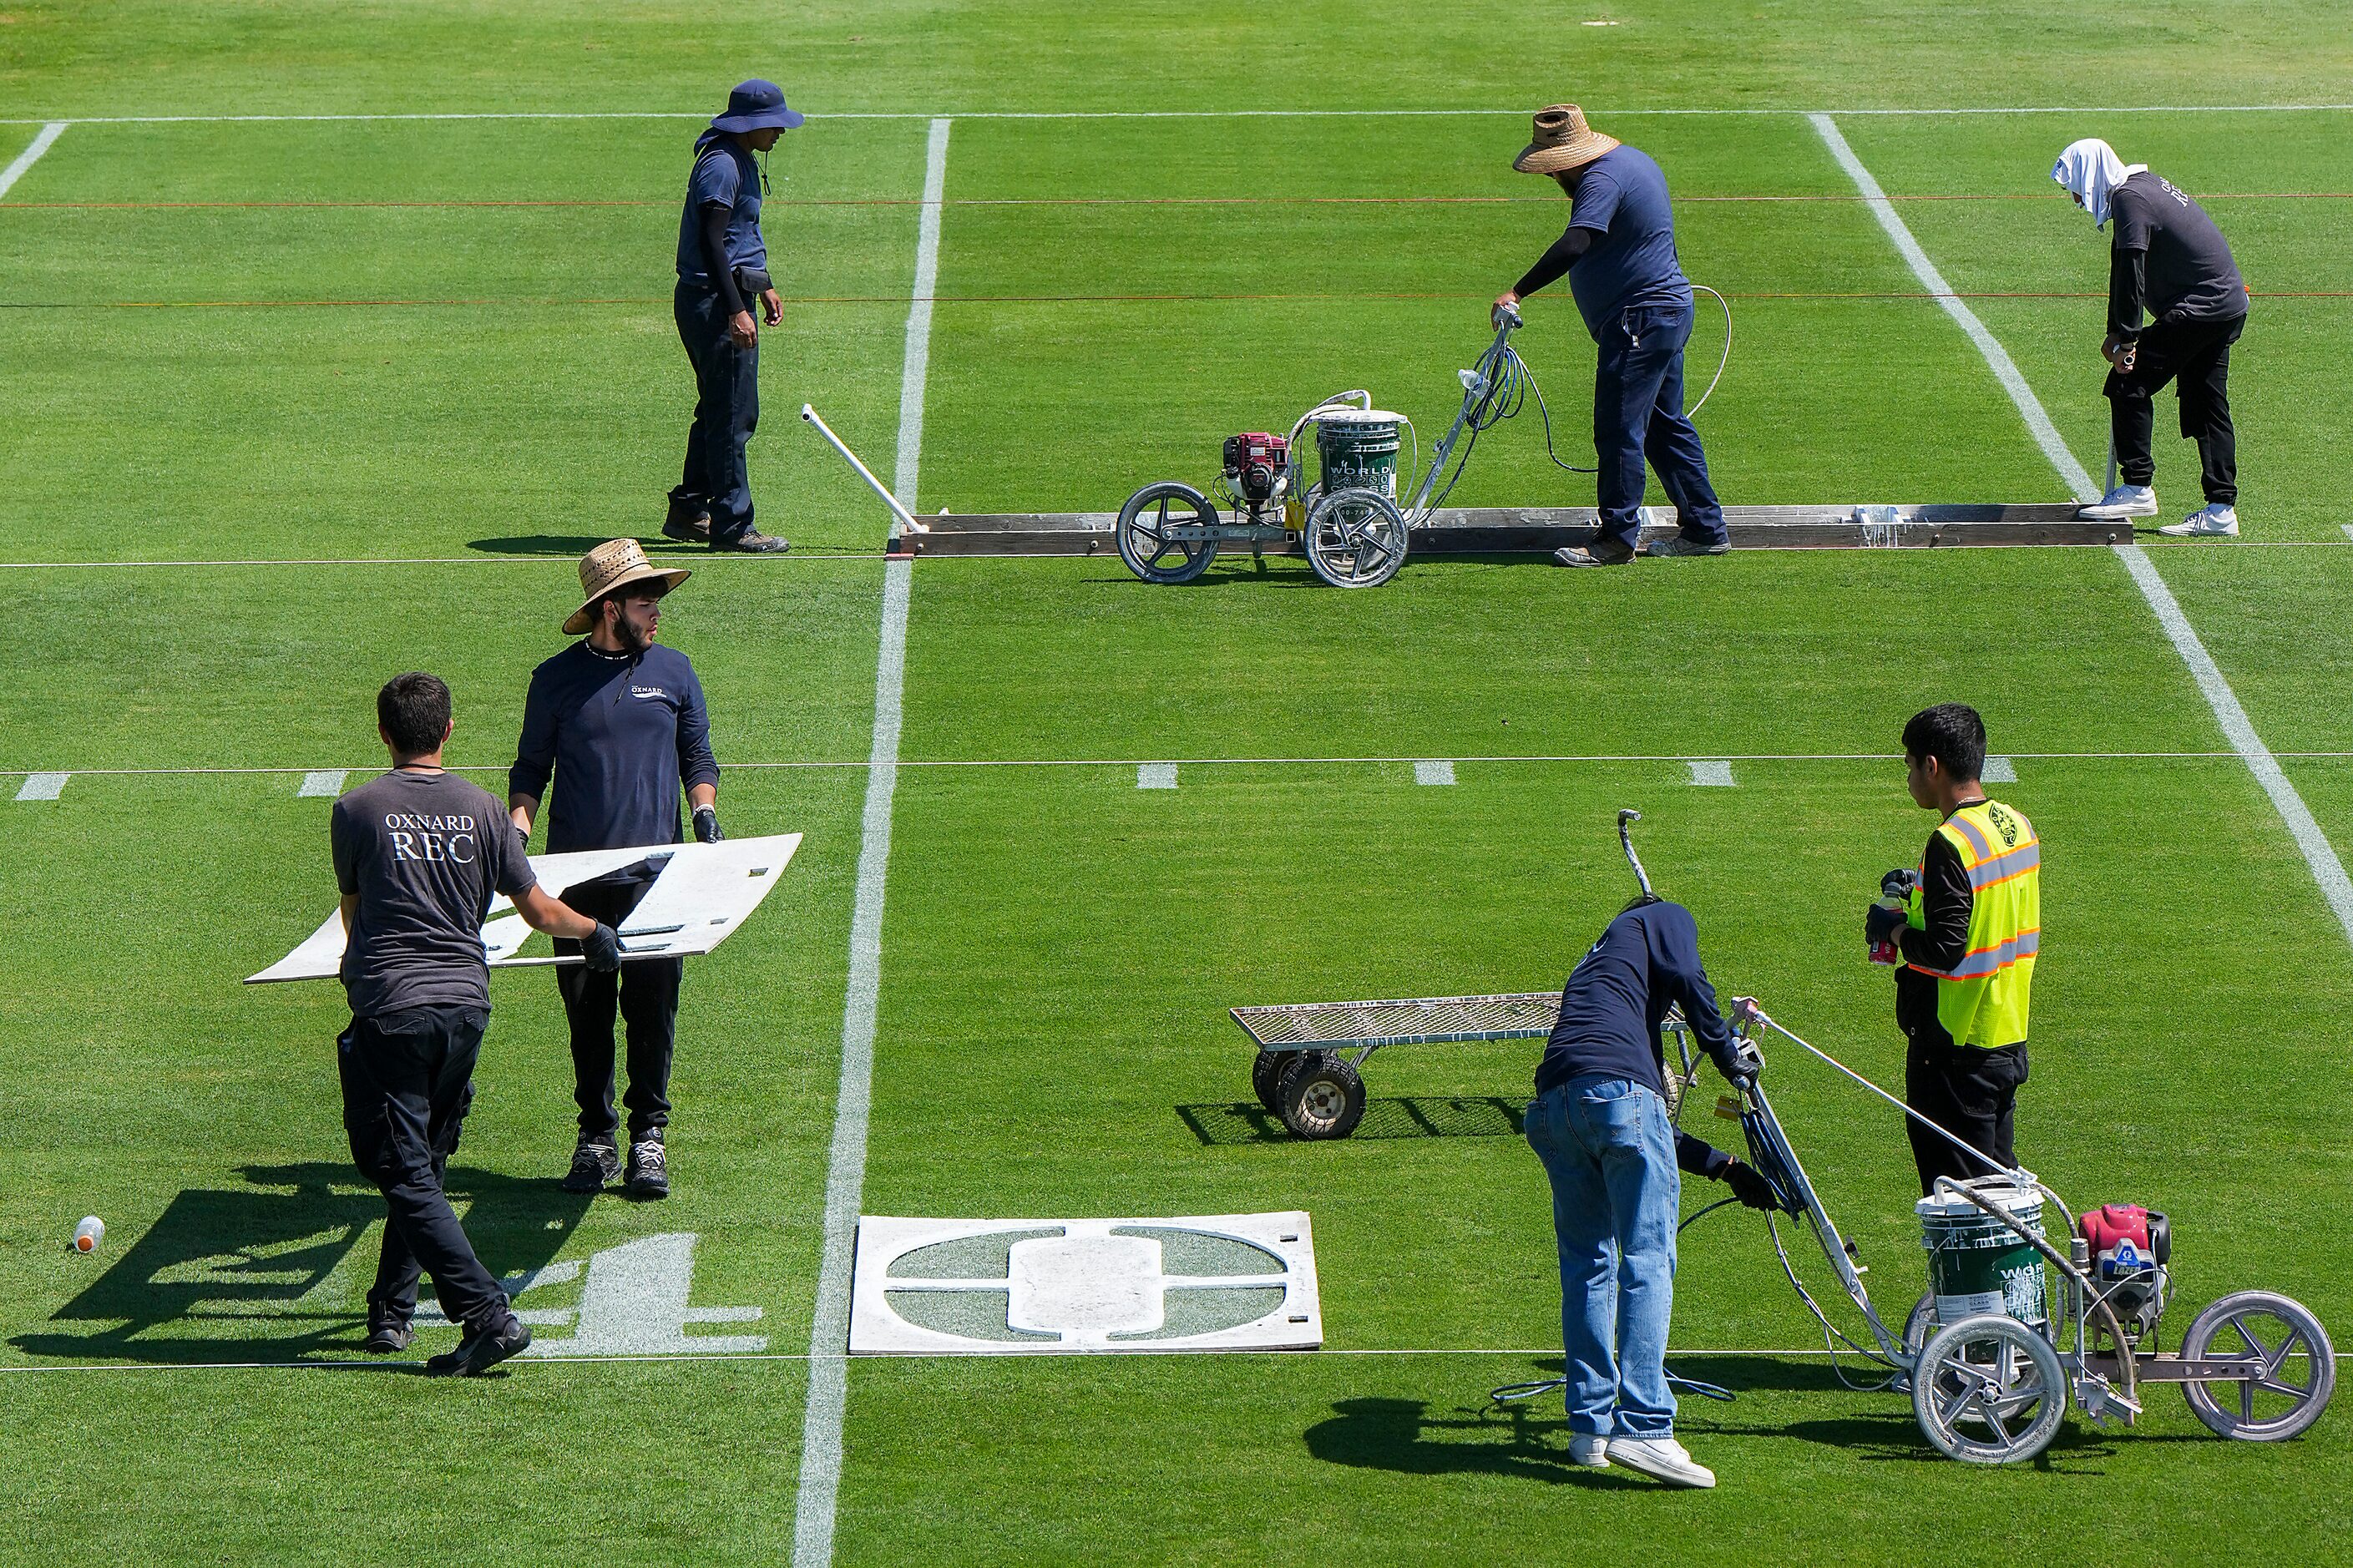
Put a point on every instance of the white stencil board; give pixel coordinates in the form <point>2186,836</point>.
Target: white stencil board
<point>702,894</point>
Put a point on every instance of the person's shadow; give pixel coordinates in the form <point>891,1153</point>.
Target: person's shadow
<point>268,1271</point>
<point>1406,1437</point>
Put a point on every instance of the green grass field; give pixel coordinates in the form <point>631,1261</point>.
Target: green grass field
<point>288,405</point>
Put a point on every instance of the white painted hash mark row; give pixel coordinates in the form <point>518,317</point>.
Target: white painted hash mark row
<point>819,1488</point>
<point>1155,775</point>
<point>2319,855</point>
<point>32,155</point>
<point>43,786</point>
<point>1713,774</point>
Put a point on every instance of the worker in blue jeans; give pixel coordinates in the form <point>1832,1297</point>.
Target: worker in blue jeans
<point>1619,253</point>
<point>1599,1124</point>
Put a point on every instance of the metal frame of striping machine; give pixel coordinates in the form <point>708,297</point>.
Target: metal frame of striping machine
<point>1354,533</point>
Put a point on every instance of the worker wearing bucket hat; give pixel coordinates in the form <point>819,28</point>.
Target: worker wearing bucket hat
<point>723,268</point>
<point>618,722</point>
<point>1619,253</point>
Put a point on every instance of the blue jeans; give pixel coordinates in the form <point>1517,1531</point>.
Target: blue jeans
<point>1638,413</point>
<point>726,412</point>
<point>1609,1149</point>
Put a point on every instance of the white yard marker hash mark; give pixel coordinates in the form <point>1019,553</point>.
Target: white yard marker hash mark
<point>322,783</point>
<point>828,1384</point>
<point>42,786</point>
<point>1155,775</point>
<point>2327,871</point>
<point>1717,776</point>
<point>1441,771</point>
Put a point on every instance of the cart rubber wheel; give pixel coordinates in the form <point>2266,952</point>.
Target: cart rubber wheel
<point>1266,1073</point>
<point>2292,1366</point>
<point>1988,1391</point>
<point>1921,1325</point>
<point>1319,1095</point>
<point>1354,539</point>
<point>1146,514</point>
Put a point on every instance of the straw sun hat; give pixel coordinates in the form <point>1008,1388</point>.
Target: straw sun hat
<point>1563,142</point>
<point>613,564</point>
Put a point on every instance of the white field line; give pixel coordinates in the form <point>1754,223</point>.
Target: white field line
<point>1595,110</point>
<point>1997,358</point>
<point>555,1362</point>
<point>32,155</point>
<point>819,1485</point>
<point>499,769</point>
<point>2327,871</point>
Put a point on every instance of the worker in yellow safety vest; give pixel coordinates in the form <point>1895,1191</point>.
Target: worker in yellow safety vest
<point>1962,929</point>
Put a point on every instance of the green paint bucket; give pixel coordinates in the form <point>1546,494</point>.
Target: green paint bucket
<point>1976,1263</point>
<point>1358,449</point>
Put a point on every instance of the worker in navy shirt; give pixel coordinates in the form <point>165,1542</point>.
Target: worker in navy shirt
<point>2167,257</point>
<point>1599,1124</point>
<point>1618,253</point>
<point>723,266</point>
<point>618,721</point>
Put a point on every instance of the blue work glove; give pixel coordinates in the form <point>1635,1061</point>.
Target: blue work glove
<point>1881,923</point>
<point>601,949</point>
<point>706,824</point>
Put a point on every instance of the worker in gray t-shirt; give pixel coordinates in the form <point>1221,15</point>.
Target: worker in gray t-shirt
<point>419,853</point>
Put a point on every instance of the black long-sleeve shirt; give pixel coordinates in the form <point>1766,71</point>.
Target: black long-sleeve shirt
<point>1645,962</point>
<point>621,734</point>
<point>2169,257</point>
<point>713,231</point>
<point>1556,262</point>
<point>1946,903</point>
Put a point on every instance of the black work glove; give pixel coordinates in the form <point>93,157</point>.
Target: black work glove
<point>1752,1189</point>
<point>706,824</point>
<point>1881,923</point>
<point>1741,1061</point>
<point>602,949</point>
<point>1899,883</point>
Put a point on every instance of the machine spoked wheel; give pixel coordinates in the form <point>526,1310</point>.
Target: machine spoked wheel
<point>1142,526</point>
<point>1354,539</point>
<point>2291,1366</point>
<point>1988,1391</point>
<point>1266,1075</point>
<point>1319,1095</point>
<point>1920,1327</point>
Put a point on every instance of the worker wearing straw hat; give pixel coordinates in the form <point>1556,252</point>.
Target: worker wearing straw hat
<point>1619,253</point>
<point>618,722</point>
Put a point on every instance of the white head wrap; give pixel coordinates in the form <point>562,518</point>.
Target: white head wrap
<point>2091,169</point>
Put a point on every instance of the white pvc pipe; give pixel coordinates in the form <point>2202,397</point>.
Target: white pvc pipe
<point>906,524</point>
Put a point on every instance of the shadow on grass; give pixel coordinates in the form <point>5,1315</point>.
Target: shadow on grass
<point>1402,1116</point>
<point>559,544</point>
<point>1406,1437</point>
<point>262,1262</point>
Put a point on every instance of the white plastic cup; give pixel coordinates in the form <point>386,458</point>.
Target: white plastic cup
<point>88,1233</point>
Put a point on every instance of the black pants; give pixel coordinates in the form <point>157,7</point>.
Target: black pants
<point>2195,357</point>
<point>645,993</point>
<point>726,412</point>
<point>408,1080</point>
<point>1638,414</point>
<point>1971,1094</point>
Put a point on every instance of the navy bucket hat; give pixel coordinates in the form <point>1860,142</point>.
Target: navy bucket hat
<point>757,106</point>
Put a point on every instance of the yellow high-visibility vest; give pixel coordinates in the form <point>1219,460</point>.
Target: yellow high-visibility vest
<point>1982,1000</point>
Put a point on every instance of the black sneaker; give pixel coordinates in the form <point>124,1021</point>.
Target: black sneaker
<point>693,527</point>
<point>648,1170</point>
<point>594,1164</point>
<point>751,541</point>
<point>477,1353</point>
<point>386,1337</point>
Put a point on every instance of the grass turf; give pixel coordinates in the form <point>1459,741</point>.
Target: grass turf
<point>1059,946</point>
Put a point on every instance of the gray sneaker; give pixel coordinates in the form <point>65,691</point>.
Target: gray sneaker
<point>1600,552</point>
<point>2211,521</point>
<point>1679,545</point>
<point>595,1164</point>
<point>2125,501</point>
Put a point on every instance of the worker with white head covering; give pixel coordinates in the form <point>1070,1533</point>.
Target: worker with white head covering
<point>2166,257</point>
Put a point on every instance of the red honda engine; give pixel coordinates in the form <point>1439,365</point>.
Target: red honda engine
<point>1255,462</point>
<point>2129,1247</point>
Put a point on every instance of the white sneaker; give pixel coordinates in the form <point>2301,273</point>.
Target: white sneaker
<point>1591,1453</point>
<point>2209,521</point>
<point>2125,501</point>
<point>1661,1458</point>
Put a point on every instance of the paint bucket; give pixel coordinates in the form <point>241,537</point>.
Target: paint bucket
<point>1976,1263</point>
<point>1358,449</point>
